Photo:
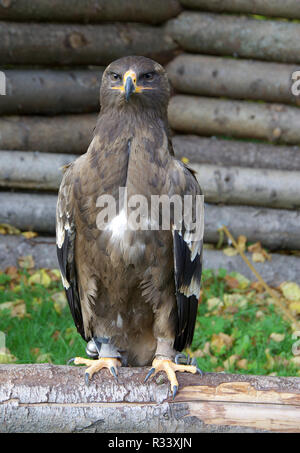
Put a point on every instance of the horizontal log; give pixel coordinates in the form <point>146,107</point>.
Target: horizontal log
<point>276,8</point>
<point>32,170</point>
<point>228,153</point>
<point>207,116</point>
<point>236,36</point>
<point>247,186</point>
<point>237,79</point>
<point>281,268</point>
<point>29,211</point>
<point>65,133</point>
<point>89,10</point>
<point>65,44</point>
<point>51,398</point>
<point>274,228</point>
<point>51,92</point>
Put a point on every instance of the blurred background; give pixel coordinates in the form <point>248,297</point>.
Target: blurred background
<point>235,118</point>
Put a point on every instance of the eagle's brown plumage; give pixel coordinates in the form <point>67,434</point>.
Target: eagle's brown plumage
<point>134,291</point>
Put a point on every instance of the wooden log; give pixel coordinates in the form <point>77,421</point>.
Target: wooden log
<point>51,91</point>
<point>65,133</point>
<point>228,153</point>
<point>276,8</point>
<point>237,79</point>
<point>207,116</point>
<point>236,36</point>
<point>65,44</point>
<point>89,11</point>
<point>247,186</point>
<point>274,228</point>
<point>29,211</point>
<point>32,170</point>
<point>53,398</point>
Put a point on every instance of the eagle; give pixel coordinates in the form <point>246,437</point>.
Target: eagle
<point>132,279</point>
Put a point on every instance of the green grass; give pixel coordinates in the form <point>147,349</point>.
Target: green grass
<point>45,331</point>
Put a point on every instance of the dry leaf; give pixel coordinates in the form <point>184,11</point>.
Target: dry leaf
<point>44,358</point>
<point>214,302</point>
<point>230,361</point>
<point>29,234</point>
<point>243,282</point>
<point>26,262</point>
<point>242,364</point>
<point>255,248</point>
<point>296,361</point>
<point>218,341</point>
<point>231,282</point>
<point>40,277</point>
<point>295,306</point>
<point>17,308</point>
<point>5,228</point>
<point>241,241</point>
<point>60,301</point>
<point>278,337</point>
<point>230,251</point>
<point>6,356</point>
<point>258,257</point>
<point>290,290</point>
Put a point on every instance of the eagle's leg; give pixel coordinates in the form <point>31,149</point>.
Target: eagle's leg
<point>108,357</point>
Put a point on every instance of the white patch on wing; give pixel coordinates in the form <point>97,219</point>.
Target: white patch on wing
<point>119,321</point>
<point>65,282</point>
<point>192,290</point>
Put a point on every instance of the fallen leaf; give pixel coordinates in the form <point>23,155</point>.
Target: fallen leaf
<point>296,361</point>
<point>5,228</point>
<point>242,364</point>
<point>7,357</point>
<point>230,251</point>
<point>44,358</point>
<point>230,361</point>
<point>290,290</point>
<point>231,282</point>
<point>295,306</point>
<point>241,241</point>
<point>243,281</point>
<point>258,257</point>
<point>17,308</point>
<point>278,337</point>
<point>26,262</point>
<point>214,302</point>
<point>40,277</point>
<point>60,301</point>
<point>29,234</point>
<point>221,340</point>
<point>185,160</point>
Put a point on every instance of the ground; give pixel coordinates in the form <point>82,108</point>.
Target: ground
<point>238,329</point>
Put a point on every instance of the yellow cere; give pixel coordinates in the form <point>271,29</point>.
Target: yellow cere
<point>131,74</point>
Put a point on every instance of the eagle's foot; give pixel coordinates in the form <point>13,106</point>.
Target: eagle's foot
<point>170,369</point>
<point>112,363</point>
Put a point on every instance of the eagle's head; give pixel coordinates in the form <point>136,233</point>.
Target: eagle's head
<point>134,81</point>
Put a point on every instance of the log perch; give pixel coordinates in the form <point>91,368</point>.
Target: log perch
<point>51,398</point>
<point>237,36</point>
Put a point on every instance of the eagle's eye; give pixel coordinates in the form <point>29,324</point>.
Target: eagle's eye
<point>115,77</point>
<point>148,76</point>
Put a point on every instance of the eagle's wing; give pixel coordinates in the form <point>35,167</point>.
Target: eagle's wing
<point>65,246</point>
<point>188,262</point>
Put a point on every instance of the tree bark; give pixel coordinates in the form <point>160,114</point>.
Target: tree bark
<point>58,134</point>
<point>51,91</point>
<point>228,153</point>
<point>153,12</point>
<point>274,228</point>
<point>280,269</point>
<point>253,187</point>
<point>65,44</point>
<point>236,36</point>
<point>207,116</point>
<point>277,8</point>
<point>49,398</point>
<point>237,79</point>
<point>32,170</point>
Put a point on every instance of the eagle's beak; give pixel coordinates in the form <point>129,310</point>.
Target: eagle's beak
<point>129,87</point>
<point>129,83</point>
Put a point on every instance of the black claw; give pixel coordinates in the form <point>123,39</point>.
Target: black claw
<point>113,372</point>
<point>149,374</point>
<point>178,357</point>
<point>175,388</point>
<point>71,360</point>
<point>87,379</point>
<point>199,371</point>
